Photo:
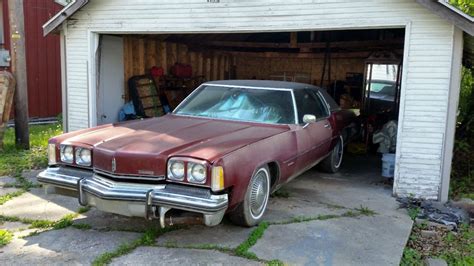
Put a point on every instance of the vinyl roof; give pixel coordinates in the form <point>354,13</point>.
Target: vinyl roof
<point>263,84</point>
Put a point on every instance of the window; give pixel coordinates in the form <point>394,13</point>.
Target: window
<point>309,103</point>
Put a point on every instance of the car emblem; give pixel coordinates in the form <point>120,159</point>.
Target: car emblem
<point>114,165</point>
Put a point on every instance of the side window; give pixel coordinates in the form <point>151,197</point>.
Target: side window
<point>309,103</point>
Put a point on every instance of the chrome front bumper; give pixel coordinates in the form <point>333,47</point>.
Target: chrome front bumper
<point>133,199</point>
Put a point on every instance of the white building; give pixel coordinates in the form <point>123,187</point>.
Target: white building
<point>102,41</point>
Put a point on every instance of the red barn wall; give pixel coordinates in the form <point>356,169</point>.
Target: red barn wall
<point>42,58</point>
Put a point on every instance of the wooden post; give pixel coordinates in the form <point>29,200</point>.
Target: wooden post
<point>18,67</point>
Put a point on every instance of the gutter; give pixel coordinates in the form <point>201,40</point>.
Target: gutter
<point>53,24</point>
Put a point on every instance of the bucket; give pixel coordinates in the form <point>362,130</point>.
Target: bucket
<point>388,164</point>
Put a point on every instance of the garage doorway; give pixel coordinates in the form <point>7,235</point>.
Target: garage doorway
<point>360,69</point>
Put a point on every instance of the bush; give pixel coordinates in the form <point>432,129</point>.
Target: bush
<point>462,174</point>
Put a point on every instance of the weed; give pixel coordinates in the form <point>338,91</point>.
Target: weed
<point>280,194</point>
<point>365,211</point>
<point>82,226</point>
<point>275,263</point>
<point>413,212</point>
<point>148,238</point>
<point>350,214</point>
<point>5,237</point>
<point>10,196</point>
<point>411,257</point>
<point>66,221</point>
<point>83,209</point>
<point>257,233</point>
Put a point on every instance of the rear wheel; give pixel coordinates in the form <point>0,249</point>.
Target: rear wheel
<point>333,162</point>
<point>250,211</point>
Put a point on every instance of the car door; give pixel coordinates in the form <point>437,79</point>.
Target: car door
<point>313,139</point>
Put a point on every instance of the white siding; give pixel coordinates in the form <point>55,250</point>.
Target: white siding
<point>427,66</point>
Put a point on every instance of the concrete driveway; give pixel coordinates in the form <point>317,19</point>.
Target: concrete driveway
<point>317,219</point>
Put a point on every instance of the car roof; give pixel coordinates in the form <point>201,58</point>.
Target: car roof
<point>271,84</point>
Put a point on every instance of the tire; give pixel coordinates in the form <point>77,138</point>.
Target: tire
<point>250,211</point>
<point>332,163</point>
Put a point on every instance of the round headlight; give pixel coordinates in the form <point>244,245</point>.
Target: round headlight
<point>176,170</point>
<point>83,156</point>
<point>67,153</point>
<point>197,173</point>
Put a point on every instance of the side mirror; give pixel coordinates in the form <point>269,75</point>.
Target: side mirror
<point>309,119</point>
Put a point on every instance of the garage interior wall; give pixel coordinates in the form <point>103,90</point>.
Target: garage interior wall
<point>143,52</point>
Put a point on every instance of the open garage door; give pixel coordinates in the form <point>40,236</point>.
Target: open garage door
<point>361,69</point>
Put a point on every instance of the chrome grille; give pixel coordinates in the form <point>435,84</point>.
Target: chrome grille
<point>131,177</point>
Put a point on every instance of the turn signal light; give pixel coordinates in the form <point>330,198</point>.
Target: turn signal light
<point>217,181</point>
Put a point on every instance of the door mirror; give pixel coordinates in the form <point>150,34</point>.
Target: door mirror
<point>307,119</point>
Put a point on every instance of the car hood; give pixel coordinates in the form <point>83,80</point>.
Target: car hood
<point>142,147</point>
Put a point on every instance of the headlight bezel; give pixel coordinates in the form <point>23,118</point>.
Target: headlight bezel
<point>173,176</point>
<point>79,156</point>
<point>191,177</point>
<point>62,153</point>
<point>188,167</point>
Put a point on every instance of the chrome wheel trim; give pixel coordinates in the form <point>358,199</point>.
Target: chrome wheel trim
<point>259,192</point>
<point>338,152</point>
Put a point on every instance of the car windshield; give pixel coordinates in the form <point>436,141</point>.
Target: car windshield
<point>382,90</point>
<point>241,104</point>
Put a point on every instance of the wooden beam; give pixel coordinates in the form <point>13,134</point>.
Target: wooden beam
<point>18,67</point>
<point>314,45</point>
<point>299,55</point>
<point>54,23</point>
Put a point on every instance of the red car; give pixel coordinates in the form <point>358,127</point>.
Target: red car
<point>223,150</point>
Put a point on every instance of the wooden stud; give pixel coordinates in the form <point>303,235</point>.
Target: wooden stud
<point>294,40</point>
<point>200,64</point>
<point>208,68</point>
<point>215,67</point>
<point>141,57</point>
<point>172,54</point>
<point>151,57</point>
<point>127,62</point>
<point>163,56</point>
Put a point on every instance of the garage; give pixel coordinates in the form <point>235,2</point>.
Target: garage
<point>386,61</point>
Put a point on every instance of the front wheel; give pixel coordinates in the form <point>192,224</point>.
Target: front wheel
<point>250,211</point>
<point>333,162</point>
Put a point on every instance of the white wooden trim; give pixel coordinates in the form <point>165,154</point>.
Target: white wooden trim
<point>451,117</point>
<point>92,77</point>
<point>401,108</point>
<point>64,91</point>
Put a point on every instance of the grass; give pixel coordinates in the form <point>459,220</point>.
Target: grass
<point>83,209</point>
<point>5,237</point>
<point>10,196</point>
<point>243,249</point>
<point>413,212</point>
<point>82,226</point>
<point>13,161</point>
<point>64,222</point>
<point>365,211</point>
<point>147,239</point>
